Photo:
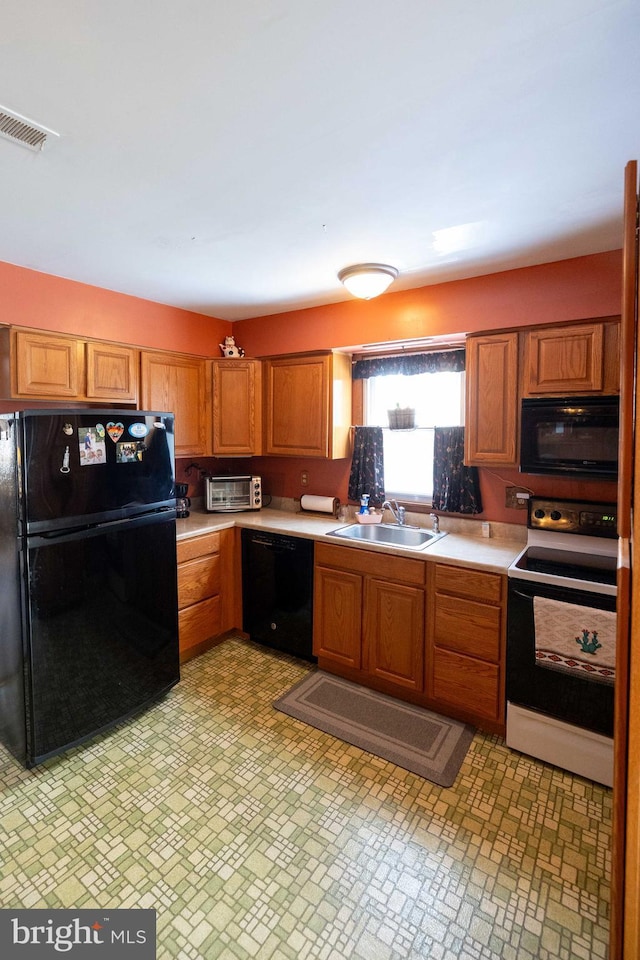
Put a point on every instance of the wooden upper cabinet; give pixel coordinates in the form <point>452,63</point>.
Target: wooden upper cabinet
<point>308,405</point>
<point>237,407</point>
<point>47,365</point>
<point>179,384</point>
<point>112,372</point>
<point>491,424</point>
<point>51,366</point>
<point>564,360</point>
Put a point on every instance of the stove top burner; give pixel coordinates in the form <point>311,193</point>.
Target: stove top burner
<point>567,564</point>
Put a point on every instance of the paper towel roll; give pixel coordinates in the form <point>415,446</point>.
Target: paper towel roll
<point>319,504</point>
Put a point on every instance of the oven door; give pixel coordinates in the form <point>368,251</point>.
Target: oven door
<point>575,699</point>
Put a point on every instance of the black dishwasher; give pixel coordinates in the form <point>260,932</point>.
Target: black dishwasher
<point>277,591</point>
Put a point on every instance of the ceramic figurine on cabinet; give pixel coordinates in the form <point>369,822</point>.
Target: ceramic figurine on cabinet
<point>229,348</point>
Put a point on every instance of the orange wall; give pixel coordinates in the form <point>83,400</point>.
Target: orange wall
<point>554,292</point>
<point>33,299</point>
<point>493,492</point>
<point>550,293</point>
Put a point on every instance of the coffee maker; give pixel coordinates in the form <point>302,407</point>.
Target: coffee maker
<point>183,502</point>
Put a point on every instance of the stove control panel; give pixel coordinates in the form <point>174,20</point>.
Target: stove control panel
<point>573,516</point>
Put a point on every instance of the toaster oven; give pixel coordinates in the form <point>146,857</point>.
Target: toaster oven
<point>232,494</point>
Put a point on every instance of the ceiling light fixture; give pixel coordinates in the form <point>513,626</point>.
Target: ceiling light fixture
<point>367,280</point>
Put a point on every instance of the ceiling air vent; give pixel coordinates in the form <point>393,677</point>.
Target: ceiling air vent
<point>26,132</point>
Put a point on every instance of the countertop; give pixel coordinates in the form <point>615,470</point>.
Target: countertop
<point>483,553</point>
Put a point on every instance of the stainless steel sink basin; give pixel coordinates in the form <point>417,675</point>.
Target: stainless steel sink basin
<point>415,538</point>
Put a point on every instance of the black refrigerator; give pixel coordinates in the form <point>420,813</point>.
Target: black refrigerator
<point>88,598</point>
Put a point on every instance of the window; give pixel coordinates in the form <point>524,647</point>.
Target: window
<point>438,400</point>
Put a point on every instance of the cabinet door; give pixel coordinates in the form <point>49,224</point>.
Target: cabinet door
<point>180,385</point>
<point>564,360</point>
<point>491,424</point>
<point>337,613</point>
<point>297,406</point>
<point>237,407</point>
<point>393,647</point>
<point>47,365</point>
<point>112,372</point>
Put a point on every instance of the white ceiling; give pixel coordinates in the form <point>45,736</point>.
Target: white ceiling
<point>230,156</point>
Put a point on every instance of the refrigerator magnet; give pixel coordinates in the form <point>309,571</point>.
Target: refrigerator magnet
<point>138,430</point>
<point>115,430</point>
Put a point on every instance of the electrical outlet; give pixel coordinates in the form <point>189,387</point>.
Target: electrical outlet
<point>304,478</point>
<point>513,501</point>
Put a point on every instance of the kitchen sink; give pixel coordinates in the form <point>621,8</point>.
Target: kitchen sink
<point>415,538</point>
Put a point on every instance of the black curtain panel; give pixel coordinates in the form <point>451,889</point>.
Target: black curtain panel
<point>456,488</point>
<point>367,465</point>
<point>444,361</point>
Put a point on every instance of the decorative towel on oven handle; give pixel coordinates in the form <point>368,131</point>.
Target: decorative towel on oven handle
<point>575,639</point>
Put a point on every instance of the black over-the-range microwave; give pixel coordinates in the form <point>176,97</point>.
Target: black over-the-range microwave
<point>570,436</point>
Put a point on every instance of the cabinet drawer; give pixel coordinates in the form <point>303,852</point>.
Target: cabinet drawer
<point>464,682</point>
<point>383,565</point>
<point>468,627</point>
<point>198,579</point>
<point>199,622</point>
<point>473,584</point>
<point>198,546</point>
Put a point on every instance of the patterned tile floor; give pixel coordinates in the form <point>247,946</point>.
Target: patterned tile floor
<point>255,836</point>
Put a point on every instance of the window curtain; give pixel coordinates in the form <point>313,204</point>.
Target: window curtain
<point>367,465</point>
<point>445,361</point>
<point>456,488</point>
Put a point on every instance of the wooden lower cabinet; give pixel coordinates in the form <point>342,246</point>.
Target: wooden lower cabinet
<point>426,632</point>
<point>337,615</point>
<point>466,623</point>
<point>369,617</point>
<point>393,632</point>
<point>205,590</point>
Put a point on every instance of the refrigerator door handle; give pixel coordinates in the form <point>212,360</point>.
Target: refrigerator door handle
<point>95,529</point>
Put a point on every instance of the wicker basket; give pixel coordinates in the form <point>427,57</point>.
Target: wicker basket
<point>402,418</point>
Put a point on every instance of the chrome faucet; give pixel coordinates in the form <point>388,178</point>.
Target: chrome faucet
<point>435,519</point>
<point>397,511</point>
